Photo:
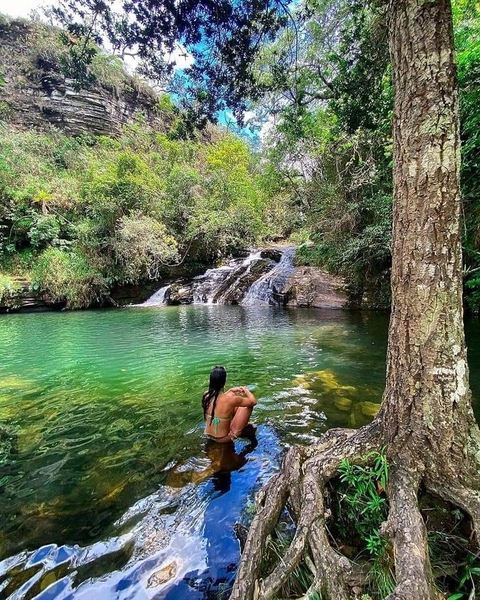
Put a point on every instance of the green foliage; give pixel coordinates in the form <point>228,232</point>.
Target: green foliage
<point>362,497</point>
<point>67,277</point>
<point>330,154</point>
<point>44,230</point>
<point>333,159</point>
<point>143,246</point>
<point>123,210</point>
<point>8,290</point>
<point>467,40</point>
<point>455,566</point>
<point>362,508</point>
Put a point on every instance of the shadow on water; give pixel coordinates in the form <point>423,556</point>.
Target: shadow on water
<point>107,488</point>
<point>177,543</point>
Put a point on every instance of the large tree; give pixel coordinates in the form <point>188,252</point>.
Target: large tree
<point>426,420</point>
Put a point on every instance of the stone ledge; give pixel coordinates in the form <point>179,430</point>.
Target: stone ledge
<point>312,287</point>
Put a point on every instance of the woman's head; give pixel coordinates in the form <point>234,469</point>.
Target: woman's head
<point>218,377</point>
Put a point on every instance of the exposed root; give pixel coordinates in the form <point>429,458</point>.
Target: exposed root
<point>336,575</point>
<point>300,485</point>
<point>301,482</point>
<point>270,503</point>
<point>269,587</point>
<point>406,528</point>
<point>463,497</point>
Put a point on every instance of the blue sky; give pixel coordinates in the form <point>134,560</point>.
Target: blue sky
<point>22,8</point>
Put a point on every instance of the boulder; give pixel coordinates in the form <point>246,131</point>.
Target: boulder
<point>314,287</point>
<point>274,254</point>
<point>237,284</point>
<point>181,292</point>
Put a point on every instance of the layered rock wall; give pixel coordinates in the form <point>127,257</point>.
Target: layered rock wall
<point>313,287</point>
<point>34,93</point>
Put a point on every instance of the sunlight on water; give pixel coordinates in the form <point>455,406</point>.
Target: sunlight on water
<point>109,485</point>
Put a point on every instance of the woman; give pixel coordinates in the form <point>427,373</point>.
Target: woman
<point>226,414</point>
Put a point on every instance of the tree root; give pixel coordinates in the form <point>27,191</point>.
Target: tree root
<point>269,503</point>
<point>301,483</point>
<point>406,528</point>
<point>465,498</point>
<point>300,486</point>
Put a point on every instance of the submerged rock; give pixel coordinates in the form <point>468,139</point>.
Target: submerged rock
<point>369,409</point>
<point>163,575</point>
<point>343,404</point>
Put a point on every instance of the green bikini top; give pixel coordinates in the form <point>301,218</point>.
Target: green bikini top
<point>216,421</point>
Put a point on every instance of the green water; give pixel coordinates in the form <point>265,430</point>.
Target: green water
<point>105,405</point>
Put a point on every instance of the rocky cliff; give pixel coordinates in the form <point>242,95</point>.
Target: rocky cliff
<point>314,287</point>
<point>34,93</point>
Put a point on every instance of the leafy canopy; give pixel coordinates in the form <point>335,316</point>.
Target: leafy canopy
<point>223,36</point>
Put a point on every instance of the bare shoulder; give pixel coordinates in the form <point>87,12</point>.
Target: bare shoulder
<point>230,396</point>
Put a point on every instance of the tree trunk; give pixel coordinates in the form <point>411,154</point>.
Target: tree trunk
<point>426,420</point>
<point>427,406</point>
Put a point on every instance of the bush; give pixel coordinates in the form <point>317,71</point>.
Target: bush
<point>67,278</point>
<point>8,290</point>
<point>119,210</point>
<point>143,246</point>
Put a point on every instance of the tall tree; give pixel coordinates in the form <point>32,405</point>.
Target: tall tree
<point>426,420</point>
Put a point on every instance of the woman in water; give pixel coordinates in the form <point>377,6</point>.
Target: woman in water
<point>226,414</point>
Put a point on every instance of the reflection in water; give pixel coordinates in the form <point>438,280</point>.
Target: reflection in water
<point>108,490</point>
<point>177,543</point>
<point>220,461</point>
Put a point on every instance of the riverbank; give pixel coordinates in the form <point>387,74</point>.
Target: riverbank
<point>264,276</point>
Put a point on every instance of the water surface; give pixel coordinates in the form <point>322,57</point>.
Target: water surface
<point>110,491</point>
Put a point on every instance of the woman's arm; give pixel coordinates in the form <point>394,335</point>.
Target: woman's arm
<point>243,397</point>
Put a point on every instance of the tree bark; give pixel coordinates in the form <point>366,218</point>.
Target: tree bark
<point>427,401</point>
<point>426,419</point>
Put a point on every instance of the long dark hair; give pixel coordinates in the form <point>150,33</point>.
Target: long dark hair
<point>218,377</point>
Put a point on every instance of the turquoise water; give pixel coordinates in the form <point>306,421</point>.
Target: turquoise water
<point>108,450</point>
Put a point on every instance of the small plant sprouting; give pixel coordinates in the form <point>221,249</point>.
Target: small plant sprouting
<point>363,506</point>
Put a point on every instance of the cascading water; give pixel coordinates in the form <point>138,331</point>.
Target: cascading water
<point>159,297</point>
<point>268,289</point>
<point>216,286</point>
<point>255,279</point>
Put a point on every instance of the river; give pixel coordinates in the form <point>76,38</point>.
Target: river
<point>109,490</point>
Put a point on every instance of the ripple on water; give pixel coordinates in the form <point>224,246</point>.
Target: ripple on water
<point>109,491</point>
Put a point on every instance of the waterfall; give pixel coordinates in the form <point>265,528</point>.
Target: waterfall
<point>255,279</point>
<point>268,288</point>
<point>216,286</point>
<point>159,297</point>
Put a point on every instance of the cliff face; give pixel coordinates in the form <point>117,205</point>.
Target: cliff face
<point>34,93</point>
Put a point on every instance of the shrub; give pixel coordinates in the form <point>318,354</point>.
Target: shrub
<point>67,277</point>
<point>143,246</point>
<point>8,290</point>
<point>45,230</point>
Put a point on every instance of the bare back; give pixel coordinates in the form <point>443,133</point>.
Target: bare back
<point>224,411</point>
<point>232,411</point>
